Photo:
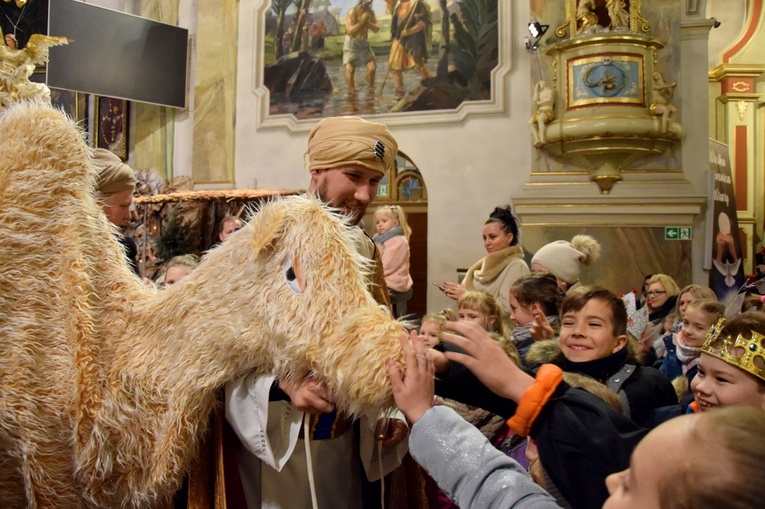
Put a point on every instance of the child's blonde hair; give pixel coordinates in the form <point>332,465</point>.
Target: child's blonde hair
<point>191,261</point>
<point>486,304</point>
<point>399,215</point>
<point>714,309</point>
<point>439,319</point>
<point>698,292</point>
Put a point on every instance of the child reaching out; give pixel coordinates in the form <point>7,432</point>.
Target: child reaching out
<point>583,441</point>
<point>392,239</point>
<point>534,304</point>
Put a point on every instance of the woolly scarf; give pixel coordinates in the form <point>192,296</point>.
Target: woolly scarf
<point>490,266</point>
<point>687,355</point>
<point>381,238</point>
<point>657,315</point>
<point>522,333</point>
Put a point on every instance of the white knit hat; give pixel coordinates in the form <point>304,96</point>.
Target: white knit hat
<point>564,259</point>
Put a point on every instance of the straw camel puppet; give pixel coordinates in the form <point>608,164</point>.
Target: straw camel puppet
<point>106,385</point>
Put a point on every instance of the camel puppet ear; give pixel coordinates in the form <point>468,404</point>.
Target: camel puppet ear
<point>268,224</point>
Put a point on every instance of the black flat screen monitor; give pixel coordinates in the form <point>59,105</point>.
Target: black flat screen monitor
<point>118,55</point>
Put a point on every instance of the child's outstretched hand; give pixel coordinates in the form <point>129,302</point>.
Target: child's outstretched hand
<point>413,391</point>
<point>541,328</point>
<point>487,360</point>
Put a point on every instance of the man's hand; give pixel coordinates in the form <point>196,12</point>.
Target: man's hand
<point>308,395</point>
<point>390,432</point>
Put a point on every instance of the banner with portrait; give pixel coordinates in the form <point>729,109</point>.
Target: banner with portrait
<point>726,275</point>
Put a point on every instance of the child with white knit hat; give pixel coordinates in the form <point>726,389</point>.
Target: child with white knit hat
<point>565,259</point>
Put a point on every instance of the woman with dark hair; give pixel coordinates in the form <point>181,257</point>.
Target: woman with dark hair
<point>503,265</point>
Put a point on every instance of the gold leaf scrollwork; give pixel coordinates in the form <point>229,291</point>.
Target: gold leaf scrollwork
<point>636,17</point>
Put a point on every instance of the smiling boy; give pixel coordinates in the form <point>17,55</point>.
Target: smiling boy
<point>732,364</point>
<point>593,342</point>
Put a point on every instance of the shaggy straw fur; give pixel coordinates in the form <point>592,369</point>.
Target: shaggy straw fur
<point>106,385</point>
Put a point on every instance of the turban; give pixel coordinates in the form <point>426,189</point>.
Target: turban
<point>341,141</point>
<point>113,175</point>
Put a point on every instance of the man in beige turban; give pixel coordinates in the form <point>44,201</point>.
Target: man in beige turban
<point>347,158</point>
<point>115,182</point>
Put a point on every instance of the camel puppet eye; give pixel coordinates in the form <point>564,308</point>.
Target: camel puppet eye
<point>290,277</point>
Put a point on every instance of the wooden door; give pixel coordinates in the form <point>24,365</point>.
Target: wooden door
<point>418,262</point>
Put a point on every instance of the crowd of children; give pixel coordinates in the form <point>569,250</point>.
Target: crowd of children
<point>584,451</point>
<point>595,417</point>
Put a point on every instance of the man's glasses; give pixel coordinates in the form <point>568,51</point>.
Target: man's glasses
<point>656,292</point>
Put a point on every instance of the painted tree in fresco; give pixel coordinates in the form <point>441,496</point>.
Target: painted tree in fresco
<point>279,8</point>
<point>476,44</point>
<point>473,52</point>
<point>443,49</point>
<point>320,5</point>
<point>300,23</point>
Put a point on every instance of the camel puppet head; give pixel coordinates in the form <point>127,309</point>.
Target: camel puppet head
<point>106,384</point>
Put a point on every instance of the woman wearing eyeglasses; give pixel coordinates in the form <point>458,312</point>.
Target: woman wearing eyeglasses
<point>662,297</point>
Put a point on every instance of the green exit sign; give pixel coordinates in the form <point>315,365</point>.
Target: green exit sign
<point>678,233</point>
<point>382,190</point>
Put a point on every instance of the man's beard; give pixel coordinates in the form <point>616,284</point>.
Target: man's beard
<point>351,208</point>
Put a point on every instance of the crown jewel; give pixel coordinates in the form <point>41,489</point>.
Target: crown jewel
<point>745,353</point>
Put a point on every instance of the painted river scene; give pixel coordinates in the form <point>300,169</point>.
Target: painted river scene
<point>361,57</point>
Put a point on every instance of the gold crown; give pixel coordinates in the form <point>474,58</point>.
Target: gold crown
<point>745,353</point>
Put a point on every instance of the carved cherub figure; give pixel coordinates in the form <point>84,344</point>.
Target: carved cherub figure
<point>661,105</point>
<point>544,99</point>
